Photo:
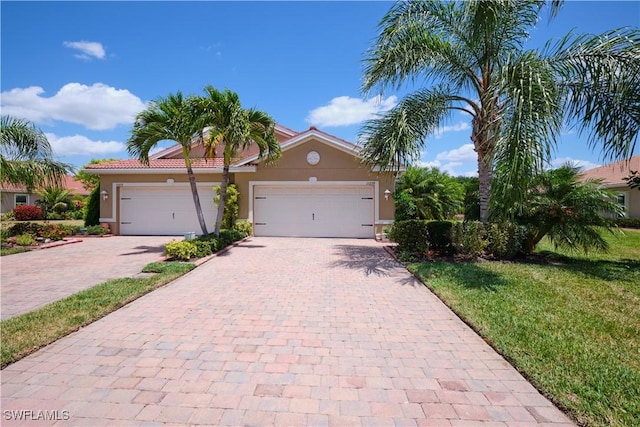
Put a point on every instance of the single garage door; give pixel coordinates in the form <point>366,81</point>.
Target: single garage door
<point>164,210</point>
<point>313,211</point>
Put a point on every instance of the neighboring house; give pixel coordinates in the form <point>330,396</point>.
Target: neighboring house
<point>318,188</point>
<point>613,177</point>
<point>13,196</point>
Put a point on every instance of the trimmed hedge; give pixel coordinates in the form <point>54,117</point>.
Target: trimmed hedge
<point>441,237</point>
<point>628,222</point>
<point>410,235</point>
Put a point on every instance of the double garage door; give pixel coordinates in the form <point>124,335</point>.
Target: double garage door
<point>313,211</point>
<point>164,210</point>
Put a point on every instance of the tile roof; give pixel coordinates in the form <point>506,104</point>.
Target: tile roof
<point>613,173</point>
<point>159,164</point>
<point>68,183</point>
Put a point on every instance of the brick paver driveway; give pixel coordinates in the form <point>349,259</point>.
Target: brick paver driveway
<point>32,279</point>
<point>285,332</point>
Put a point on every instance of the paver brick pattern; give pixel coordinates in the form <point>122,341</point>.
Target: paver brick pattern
<point>279,331</point>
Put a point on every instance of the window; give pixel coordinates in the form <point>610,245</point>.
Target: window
<point>623,200</point>
<point>20,199</point>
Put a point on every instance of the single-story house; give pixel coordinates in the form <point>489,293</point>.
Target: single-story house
<point>318,188</point>
<point>613,176</point>
<point>13,196</point>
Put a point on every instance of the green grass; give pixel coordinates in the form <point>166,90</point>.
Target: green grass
<point>570,325</point>
<point>11,251</point>
<point>24,334</point>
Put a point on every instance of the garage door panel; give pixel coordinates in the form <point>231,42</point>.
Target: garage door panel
<point>323,211</point>
<point>148,210</point>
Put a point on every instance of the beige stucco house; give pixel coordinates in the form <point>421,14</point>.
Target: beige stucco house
<point>12,195</point>
<point>613,176</point>
<point>318,188</point>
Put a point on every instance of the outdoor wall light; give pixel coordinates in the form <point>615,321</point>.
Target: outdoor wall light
<point>387,193</point>
<point>104,194</point>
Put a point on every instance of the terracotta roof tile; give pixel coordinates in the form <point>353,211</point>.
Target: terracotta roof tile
<point>68,183</point>
<point>613,173</point>
<point>159,164</point>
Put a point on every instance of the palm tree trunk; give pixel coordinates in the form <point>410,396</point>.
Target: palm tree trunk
<point>223,198</point>
<point>196,199</point>
<point>484,147</point>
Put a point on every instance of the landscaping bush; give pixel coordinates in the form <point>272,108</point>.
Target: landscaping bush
<point>92,209</point>
<point>628,222</point>
<point>505,240</point>
<point>27,213</point>
<point>441,237</point>
<point>184,249</point>
<point>8,216</point>
<point>469,238</point>
<point>245,227</point>
<point>230,213</point>
<point>405,207</point>
<point>53,232</point>
<point>203,248</point>
<point>410,235</point>
<point>97,230</point>
<point>24,228</point>
<point>25,240</point>
<point>228,237</point>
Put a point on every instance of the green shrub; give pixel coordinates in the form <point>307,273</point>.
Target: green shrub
<point>97,230</point>
<point>505,240</point>
<point>25,240</point>
<point>25,227</point>
<point>405,206</point>
<point>410,235</point>
<point>54,216</point>
<point>203,248</point>
<point>628,222</point>
<point>231,208</point>
<point>441,237</point>
<point>4,234</point>
<point>8,216</point>
<point>27,213</point>
<point>77,215</point>
<point>184,249</point>
<point>245,227</point>
<point>53,232</point>
<point>469,238</point>
<point>228,237</point>
<point>92,209</point>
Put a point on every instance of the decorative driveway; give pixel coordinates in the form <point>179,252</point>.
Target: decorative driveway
<point>33,279</point>
<point>278,331</point>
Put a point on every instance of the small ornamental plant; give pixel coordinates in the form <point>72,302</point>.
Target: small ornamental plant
<point>27,213</point>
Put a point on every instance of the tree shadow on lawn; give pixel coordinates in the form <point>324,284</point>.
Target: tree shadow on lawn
<point>470,275</point>
<point>609,270</point>
<point>371,261</point>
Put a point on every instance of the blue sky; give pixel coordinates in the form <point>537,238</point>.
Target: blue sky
<point>82,70</point>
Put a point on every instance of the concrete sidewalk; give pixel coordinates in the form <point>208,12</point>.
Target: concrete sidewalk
<point>278,331</point>
<point>33,279</point>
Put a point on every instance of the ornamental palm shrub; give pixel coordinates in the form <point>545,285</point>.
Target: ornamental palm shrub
<point>433,193</point>
<point>570,212</point>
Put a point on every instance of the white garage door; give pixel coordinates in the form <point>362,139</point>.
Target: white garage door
<point>313,211</point>
<point>164,211</point>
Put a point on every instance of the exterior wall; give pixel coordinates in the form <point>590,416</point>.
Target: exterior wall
<point>7,200</point>
<point>110,207</point>
<point>633,200</point>
<point>334,165</point>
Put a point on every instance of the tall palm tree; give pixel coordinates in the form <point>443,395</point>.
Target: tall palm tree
<point>26,157</point>
<point>234,129</point>
<point>174,118</point>
<point>472,56</point>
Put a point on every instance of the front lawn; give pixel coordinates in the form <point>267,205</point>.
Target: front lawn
<point>571,325</point>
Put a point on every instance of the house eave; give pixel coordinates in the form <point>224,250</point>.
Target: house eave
<point>149,171</point>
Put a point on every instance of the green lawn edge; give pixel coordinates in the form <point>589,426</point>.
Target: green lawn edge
<point>22,335</point>
<point>569,326</point>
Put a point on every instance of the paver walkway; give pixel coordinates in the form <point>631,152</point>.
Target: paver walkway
<point>287,332</point>
<point>33,279</point>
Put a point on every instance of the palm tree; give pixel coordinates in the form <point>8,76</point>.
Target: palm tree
<point>172,118</point>
<point>435,194</point>
<point>234,129</point>
<point>571,213</point>
<point>472,54</point>
<point>54,199</point>
<point>26,157</point>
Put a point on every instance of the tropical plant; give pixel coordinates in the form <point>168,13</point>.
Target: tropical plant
<point>26,157</point>
<point>230,207</point>
<point>570,212</point>
<point>54,199</point>
<point>435,194</point>
<point>472,55</point>
<point>172,118</point>
<point>233,129</point>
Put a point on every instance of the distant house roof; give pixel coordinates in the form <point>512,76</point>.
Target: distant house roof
<point>68,182</point>
<point>613,174</point>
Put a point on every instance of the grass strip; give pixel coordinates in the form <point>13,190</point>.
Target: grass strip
<point>11,251</point>
<point>26,333</point>
<point>570,325</point>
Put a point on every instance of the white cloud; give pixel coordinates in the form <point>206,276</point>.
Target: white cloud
<point>88,50</point>
<point>463,154</point>
<point>345,111</point>
<point>584,164</point>
<point>96,107</point>
<point>455,128</point>
<point>81,145</point>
